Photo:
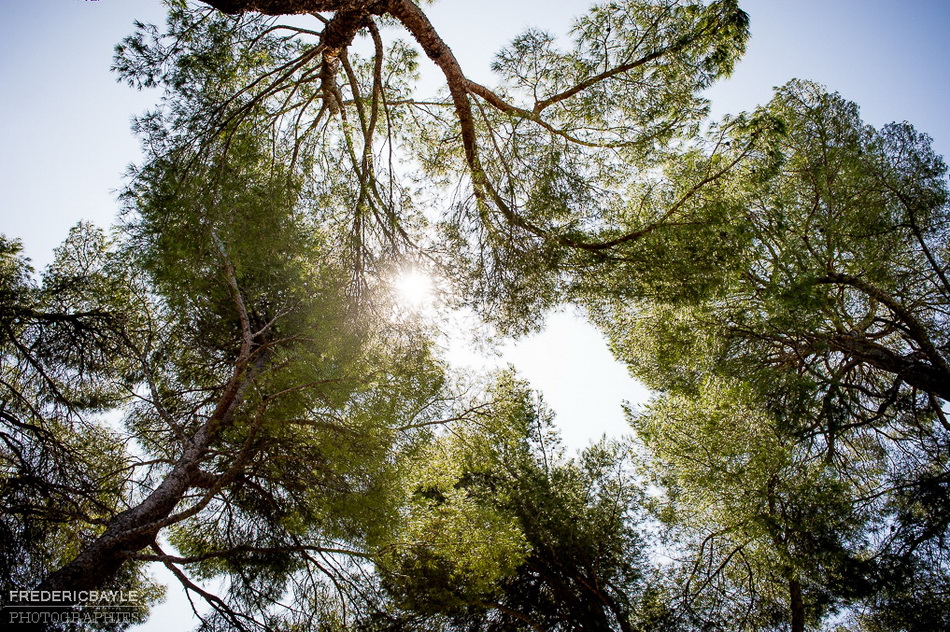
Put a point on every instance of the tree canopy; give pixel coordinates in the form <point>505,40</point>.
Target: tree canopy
<point>228,385</point>
<point>806,379</point>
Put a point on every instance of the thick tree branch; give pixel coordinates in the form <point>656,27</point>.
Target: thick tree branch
<point>917,331</point>
<point>137,528</point>
<point>926,377</point>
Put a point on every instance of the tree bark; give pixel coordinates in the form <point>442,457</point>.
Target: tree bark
<point>797,605</point>
<point>137,528</point>
<point>130,531</point>
<point>926,377</point>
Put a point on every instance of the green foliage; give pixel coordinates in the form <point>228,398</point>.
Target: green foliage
<point>65,345</point>
<point>568,155</point>
<point>242,333</point>
<point>457,542</point>
<point>311,461</point>
<point>501,532</point>
<point>750,511</point>
<point>781,281</point>
<point>806,372</point>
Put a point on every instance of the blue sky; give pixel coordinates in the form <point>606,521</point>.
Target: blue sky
<point>65,140</point>
<point>890,57</point>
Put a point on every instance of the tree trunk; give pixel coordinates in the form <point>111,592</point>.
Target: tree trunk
<point>797,605</point>
<point>135,529</point>
<point>130,531</point>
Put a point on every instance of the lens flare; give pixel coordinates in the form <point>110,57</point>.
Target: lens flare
<point>414,288</point>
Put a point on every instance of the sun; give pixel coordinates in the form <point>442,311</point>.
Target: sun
<point>413,288</point>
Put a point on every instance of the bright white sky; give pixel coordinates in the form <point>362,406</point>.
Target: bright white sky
<point>65,140</point>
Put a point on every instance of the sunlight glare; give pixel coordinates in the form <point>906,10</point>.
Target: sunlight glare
<point>414,288</point>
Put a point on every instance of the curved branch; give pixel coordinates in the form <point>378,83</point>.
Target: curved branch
<point>927,378</point>
<point>917,331</point>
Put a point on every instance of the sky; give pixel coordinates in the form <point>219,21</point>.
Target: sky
<point>65,139</point>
